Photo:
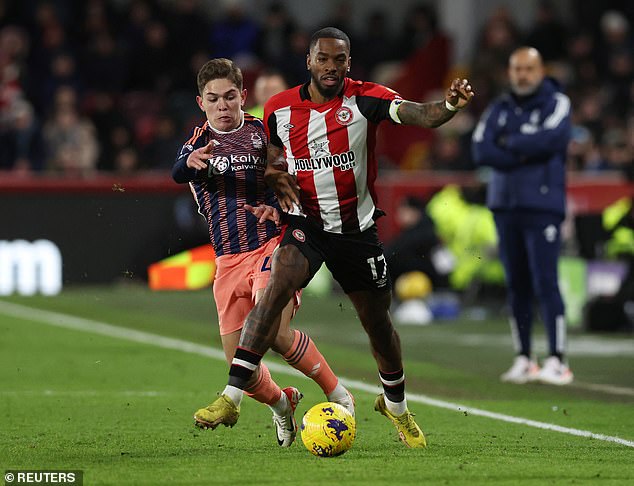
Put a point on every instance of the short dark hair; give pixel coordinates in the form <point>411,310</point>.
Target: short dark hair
<point>329,33</point>
<point>219,68</point>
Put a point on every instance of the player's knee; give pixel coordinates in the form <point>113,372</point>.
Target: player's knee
<point>375,319</point>
<point>372,307</point>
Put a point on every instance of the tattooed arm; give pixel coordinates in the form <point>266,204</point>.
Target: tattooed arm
<point>435,113</point>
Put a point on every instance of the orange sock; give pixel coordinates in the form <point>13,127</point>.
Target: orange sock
<point>305,357</point>
<point>264,390</point>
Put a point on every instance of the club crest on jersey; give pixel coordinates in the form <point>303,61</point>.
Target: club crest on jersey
<point>256,141</point>
<point>343,115</point>
<point>319,149</point>
<point>299,235</point>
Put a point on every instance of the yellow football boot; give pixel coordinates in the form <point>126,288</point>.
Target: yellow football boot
<point>222,411</point>
<point>408,429</point>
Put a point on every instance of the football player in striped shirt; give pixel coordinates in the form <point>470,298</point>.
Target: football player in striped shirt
<point>324,132</point>
<point>224,162</point>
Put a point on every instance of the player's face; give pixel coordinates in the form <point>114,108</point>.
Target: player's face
<point>526,72</point>
<point>328,63</point>
<point>222,102</point>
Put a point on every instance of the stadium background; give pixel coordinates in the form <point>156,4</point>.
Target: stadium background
<point>97,96</point>
<point>104,376</point>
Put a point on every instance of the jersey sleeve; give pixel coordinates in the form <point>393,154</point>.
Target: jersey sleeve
<point>378,103</point>
<point>552,135</point>
<point>271,131</point>
<point>270,125</point>
<point>484,149</point>
<point>180,172</point>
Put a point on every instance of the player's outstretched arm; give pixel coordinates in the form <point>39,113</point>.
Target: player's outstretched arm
<point>435,113</point>
<point>284,184</point>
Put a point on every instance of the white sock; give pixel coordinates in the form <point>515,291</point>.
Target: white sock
<point>234,393</point>
<point>281,406</point>
<point>338,393</point>
<point>397,408</point>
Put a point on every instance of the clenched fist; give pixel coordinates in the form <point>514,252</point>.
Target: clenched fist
<point>459,94</point>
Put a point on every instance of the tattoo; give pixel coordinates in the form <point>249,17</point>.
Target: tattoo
<point>426,115</point>
<point>255,331</point>
<point>263,322</point>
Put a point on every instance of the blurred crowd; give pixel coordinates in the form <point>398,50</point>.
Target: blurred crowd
<point>97,85</point>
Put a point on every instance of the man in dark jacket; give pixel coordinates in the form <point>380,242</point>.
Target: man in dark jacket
<point>523,136</point>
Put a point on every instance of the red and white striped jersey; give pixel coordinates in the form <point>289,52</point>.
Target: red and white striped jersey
<point>329,147</point>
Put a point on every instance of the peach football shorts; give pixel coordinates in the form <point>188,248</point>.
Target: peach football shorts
<point>238,278</point>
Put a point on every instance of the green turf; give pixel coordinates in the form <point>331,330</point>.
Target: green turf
<point>121,411</point>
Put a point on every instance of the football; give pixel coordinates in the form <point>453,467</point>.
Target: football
<point>328,429</point>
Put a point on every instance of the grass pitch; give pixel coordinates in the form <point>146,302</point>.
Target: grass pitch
<point>106,380</point>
